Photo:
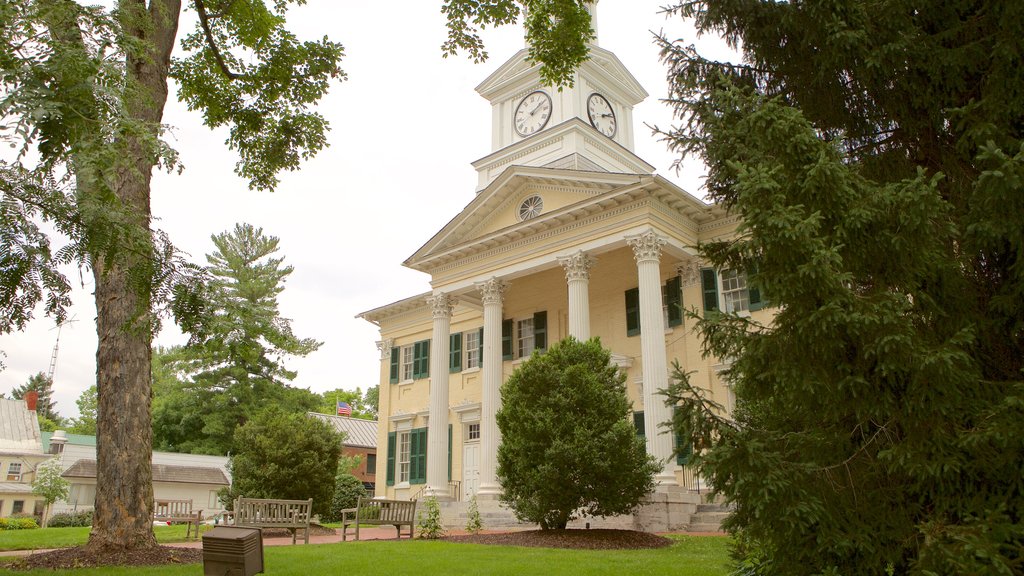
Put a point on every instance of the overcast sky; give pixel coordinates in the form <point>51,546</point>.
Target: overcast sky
<point>405,126</point>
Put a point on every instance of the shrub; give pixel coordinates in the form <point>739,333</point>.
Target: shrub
<point>347,491</point>
<point>430,520</point>
<point>474,523</point>
<point>18,523</point>
<point>70,519</point>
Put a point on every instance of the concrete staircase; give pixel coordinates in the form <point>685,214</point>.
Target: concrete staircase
<point>708,518</point>
<point>666,510</point>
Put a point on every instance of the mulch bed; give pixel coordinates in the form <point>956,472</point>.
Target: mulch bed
<point>67,558</point>
<point>575,539</point>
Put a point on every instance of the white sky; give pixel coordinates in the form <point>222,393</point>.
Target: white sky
<point>404,128</point>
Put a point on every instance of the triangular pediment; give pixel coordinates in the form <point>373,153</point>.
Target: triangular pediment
<point>496,208</point>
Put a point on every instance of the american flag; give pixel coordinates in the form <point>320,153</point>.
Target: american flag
<point>344,409</point>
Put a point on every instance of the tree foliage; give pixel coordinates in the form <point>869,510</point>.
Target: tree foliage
<point>875,154</point>
<point>289,456</point>
<point>363,405</point>
<point>49,484</point>
<point>233,365</point>
<point>43,386</point>
<point>347,491</point>
<point>86,421</point>
<point>567,448</point>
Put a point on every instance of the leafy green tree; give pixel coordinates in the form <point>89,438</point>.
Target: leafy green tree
<point>354,398</point>
<point>42,385</point>
<point>86,421</point>
<point>84,93</point>
<point>85,89</point>
<point>290,456</point>
<point>49,484</point>
<point>875,153</point>
<point>567,448</point>
<point>371,401</point>
<point>234,364</point>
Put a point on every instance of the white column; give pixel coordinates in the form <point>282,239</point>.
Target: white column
<point>492,291</point>
<point>441,306</point>
<point>647,250</point>
<point>577,274</point>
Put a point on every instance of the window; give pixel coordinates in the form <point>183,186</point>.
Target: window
<point>410,362</point>
<point>371,464</point>
<point>407,450</point>
<point>638,423</point>
<point>474,340</point>
<point>14,472</point>
<point>734,291</point>
<point>524,332</point>
<point>473,432</point>
<point>212,502</point>
<point>404,455</point>
<point>407,362</point>
<point>729,291</point>
<point>17,507</point>
<point>671,306</point>
<point>524,336</point>
<point>82,494</point>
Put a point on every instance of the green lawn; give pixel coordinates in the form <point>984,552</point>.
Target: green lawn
<point>63,537</point>
<point>689,556</point>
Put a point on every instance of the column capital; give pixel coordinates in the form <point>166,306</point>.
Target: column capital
<point>441,305</point>
<point>492,290</point>
<point>646,246</point>
<point>689,271</point>
<point>385,348</point>
<point>577,266</point>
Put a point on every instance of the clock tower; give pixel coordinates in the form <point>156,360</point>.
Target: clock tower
<point>588,126</point>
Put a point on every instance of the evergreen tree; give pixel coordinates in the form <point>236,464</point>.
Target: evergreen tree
<point>567,446</point>
<point>875,153</point>
<point>234,365</point>
<point>41,384</point>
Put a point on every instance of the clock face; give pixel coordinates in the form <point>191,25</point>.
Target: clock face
<point>601,115</point>
<point>533,113</point>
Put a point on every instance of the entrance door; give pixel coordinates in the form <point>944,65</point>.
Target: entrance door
<point>470,469</point>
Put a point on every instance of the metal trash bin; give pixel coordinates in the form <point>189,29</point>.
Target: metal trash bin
<point>229,551</point>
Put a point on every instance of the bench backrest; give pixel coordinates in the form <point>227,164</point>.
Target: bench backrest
<point>171,508</point>
<point>387,510</point>
<point>271,511</point>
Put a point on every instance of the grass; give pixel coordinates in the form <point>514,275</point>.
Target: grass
<point>688,556</point>
<point>63,537</point>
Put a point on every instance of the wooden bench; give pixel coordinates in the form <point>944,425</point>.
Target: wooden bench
<point>165,510</point>
<point>397,513</point>
<point>269,513</point>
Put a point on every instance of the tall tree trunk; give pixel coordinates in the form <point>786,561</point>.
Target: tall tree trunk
<point>124,434</point>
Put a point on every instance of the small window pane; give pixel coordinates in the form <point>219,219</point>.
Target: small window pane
<point>474,431</point>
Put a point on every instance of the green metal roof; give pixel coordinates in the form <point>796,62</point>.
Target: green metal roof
<point>76,439</point>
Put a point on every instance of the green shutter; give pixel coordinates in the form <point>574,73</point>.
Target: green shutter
<point>421,359</point>
<point>638,423</point>
<point>455,352</point>
<point>709,283</point>
<point>481,341</point>
<point>418,456</point>
<point>506,339</point>
<point>391,458</point>
<point>756,302</point>
<point>449,452</point>
<point>684,448</point>
<point>632,312</point>
<point>540,330</point>
<point>395,358</point>
<point>674,300</point>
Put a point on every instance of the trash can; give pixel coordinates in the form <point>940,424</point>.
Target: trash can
<point>229,551</point>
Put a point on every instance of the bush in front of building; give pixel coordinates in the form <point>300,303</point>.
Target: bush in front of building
<point>18,522</point>
<point>347,491</point>
<point>568,448</point>
<point>287,456</point>
<point>70,519</point>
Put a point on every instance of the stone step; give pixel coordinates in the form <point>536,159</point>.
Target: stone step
<point>712,527</point>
